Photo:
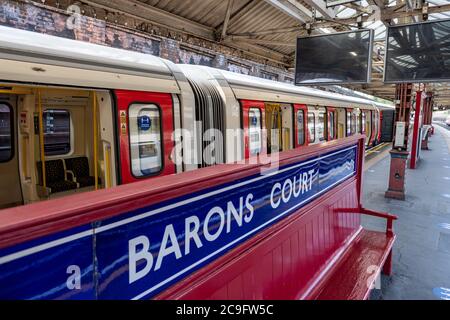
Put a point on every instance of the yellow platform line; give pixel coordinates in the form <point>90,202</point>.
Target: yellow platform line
<point>378,147</point>
<point>378,158</point>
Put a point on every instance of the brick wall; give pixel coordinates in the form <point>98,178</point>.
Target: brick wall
<point>32,16</point>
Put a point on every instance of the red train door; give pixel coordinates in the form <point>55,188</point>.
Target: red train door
<point>331,116</point>
<point>145,126</point>
<point>253,122</point>
<point>300,125</point>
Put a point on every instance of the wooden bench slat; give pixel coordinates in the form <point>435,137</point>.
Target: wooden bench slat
<point>350,279</point>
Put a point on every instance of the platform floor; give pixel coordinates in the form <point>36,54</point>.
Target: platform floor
<point>422,251</point>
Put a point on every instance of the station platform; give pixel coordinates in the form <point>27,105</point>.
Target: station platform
<point>422,250</point>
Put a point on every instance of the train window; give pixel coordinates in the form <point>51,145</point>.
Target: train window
<point>358,124</point>
<point>254,130</point>
<point>6,148</point>
<point>354,122</point>
<point>145,139</point>
<point>311,127</point>
<point>331,123</point>
<point>56,132</point>
<point>363,122</point>
<point>300,127</point>
<point>349,123</point>
<point>321,126</point>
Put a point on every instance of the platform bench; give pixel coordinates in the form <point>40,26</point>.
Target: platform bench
<point>267,241</point>
<point>354,276</point>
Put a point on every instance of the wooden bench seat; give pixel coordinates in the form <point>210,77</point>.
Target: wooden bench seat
<point>359,268</point>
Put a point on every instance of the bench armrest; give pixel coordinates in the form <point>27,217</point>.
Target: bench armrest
<point>389,217</point>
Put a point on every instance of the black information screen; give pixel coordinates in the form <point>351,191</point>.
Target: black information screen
<point>418,52</point>
<point>334,58</point>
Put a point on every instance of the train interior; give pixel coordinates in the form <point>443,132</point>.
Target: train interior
<point>279,127</point>
<point>54,142</point>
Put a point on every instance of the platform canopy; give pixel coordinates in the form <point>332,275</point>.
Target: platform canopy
<point>267,29</point>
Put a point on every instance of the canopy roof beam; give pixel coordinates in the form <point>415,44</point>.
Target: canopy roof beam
<point>293,9</point>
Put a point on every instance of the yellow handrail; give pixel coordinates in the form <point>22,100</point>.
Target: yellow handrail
<point>41,137</point>
<point>25,157</point>
<point>94,110</point>
<point>108,166</point>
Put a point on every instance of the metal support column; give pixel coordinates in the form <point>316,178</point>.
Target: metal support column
<point>399,152</point>
<point>417,137</point>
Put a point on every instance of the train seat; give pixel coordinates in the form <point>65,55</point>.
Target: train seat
<point>79,166</point>
<point>55,177</point>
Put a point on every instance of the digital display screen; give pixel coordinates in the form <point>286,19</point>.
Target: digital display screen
<point>334,58</point>
<point>418,52</point>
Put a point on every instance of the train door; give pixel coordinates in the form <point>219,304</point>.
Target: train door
<point>311,125</point>
<point>378,113</point>
<point>331,123</point>
<point>367,126</point>
<point>300,125</point>
<point>321,124</point>
<point>317,125</point>
<point>351,122</point>
<point>145,127</point>
<point>287,127</point>
<point>253,125</point>
<point>11,193</point>
<point>274,127</point>
<point>341,122</point>
<point>357,120</point>
<point>375,126</point>
<point>348,122</point>
<point>362,123</point>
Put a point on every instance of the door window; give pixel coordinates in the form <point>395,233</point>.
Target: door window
<point>331,123</point>
<point>6,133</point>
<point>254,130</point>
<point>363,122</point>
<point>321,126</point>
<point>311,127</point>
<point>349,123</point>
<point>300,127</point>
<point>145,139</point>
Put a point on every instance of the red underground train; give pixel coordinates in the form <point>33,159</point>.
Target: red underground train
<point>125,176</point>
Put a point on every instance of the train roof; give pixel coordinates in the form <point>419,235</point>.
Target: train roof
<point>31,53</point>
<point>248,87</point>
<point>384,105</point>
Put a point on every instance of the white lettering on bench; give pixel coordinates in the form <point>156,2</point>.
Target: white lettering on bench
<point>298,185</point>
<point>213,226</point>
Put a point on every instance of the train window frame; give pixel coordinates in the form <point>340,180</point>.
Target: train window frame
<point>161,135</point>
<point>313,127</point>
<point>260,131</point>
<point>297,128</point>
<point>11,131</point>
<point>71,135</point>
